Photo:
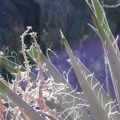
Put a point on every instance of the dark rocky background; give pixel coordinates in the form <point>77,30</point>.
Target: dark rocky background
<point>47,17</point>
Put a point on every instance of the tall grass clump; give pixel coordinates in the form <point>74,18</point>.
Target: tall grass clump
<point>47,95</point>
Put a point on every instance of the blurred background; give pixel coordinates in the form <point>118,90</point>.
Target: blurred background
<point>47,17</point>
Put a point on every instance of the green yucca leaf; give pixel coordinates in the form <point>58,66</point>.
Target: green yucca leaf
<point>101,16</point>
<point>95,105</point>
<point>10,67</point>
<point>113,59</point>
<point>33,54</point>
<point>19,102</point>
<point>99,91</point>
<point>89,94</point>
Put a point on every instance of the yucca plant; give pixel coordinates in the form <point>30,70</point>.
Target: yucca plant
<point>48,95</point>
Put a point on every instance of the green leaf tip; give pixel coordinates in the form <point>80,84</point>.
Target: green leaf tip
<point>62,36</point>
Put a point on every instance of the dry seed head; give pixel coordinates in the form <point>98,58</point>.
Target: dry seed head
<point>18,68</point>
<point>29,27</point>
<point>33,34</point>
